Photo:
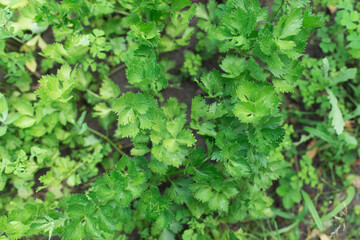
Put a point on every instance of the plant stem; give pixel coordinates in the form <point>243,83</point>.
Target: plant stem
<point>177,172</point>
<point>108,140</point>
<point>169,179</point>
<point>75,168</point>
<point>121,12</point>
<point>277,12</point>
<point>118,68</point>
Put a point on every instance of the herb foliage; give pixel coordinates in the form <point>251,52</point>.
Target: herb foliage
<point>166,184</point>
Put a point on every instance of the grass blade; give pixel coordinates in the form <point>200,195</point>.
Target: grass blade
<point>348,200</point>
<point>310,205</point>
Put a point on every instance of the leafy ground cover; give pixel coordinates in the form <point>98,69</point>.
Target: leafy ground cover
<point>160,119</point>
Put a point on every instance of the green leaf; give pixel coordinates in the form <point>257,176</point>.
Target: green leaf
<point>298,3</point>
<point>289,25</point>
<point>186,137</point>
<point>37,130</point>
<point>233,66</point>
<point>177,5</point>
<point>98,32</point>
<point>249,112</point>
<point>240,22</point>
<point>320,134</point>
<point>179,191</point>
<point>144,71</point>
<point>3,108</point>
<point>173,158</point>
<point>276,66</point>
<point>346,20</point>
<point>59,87</point>
<point>3,130</point>
<point>172,108</point>
<point>165,219</point>
<point>256,101</point>
<point>203,192</point>
<point>76,47</point>
<point>156,208</point>
<point>175,126</point>
<point>184,16</point>
<point>106,220</point>
<point>166,235</point>
<point>344,76</point>
<point>256,71</point>
<point>11,3</point>
<point>310,205</point>
<point>56,52</point>
<point>171,145</point>
<point>219,202</point>
<point>158,166</point>
<point>310,20</point>
<point>101,110</point>
<point>92,228</point>
<point>351,194</point>
<point>337,118</point>
<point>201,12</point>
<point>146,33</point>
<point>289,195</point>
<point>24,107</point>
<point>109,89</point>
<point>74,230</point>
<point>24,122</point>
<point>78,206</point>
<point>135,111</point>
<point>212,83</point>
<point>285,44</point>
<point>349,139</point>
<point>282,85</point>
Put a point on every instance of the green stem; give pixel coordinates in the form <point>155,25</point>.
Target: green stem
<point>74,169</point>
<point>338,33</point>
<point>341,206</point>
<point>281,231</point>
<point>177,172</point>
<point>332,173</point>
<point>169,179</point>
<point>15,37</point>
<point>118,68</point>
<point>277,12</point>
<point>18,39</point>
<point>108,140</point>
<point>121,12</point>
<point>276,228</point>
